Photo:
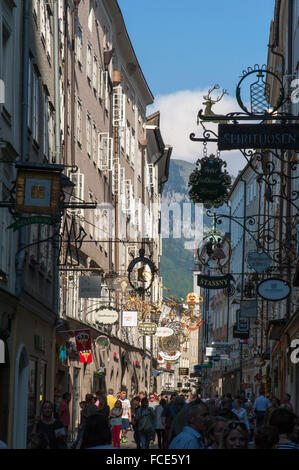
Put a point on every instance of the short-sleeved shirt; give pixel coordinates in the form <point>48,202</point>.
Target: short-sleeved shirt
<point>187,439</point>
<point>50,431</point>
<point>117,420</point>
<point>126,406</point>
<point>261,403</point>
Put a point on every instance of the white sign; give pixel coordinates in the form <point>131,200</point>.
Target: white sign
<point>106,316</point>
<point>89,287</point>
<point>167,357</point>
<point>130,318</point>
<point>210,351</point>
<point>163,331</point>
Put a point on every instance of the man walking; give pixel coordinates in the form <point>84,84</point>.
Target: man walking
<point>126,416</point>
<point>192,435</point>
<point>261,404</point>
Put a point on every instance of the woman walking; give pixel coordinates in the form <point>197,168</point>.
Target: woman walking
<point>159,426</point>
<point>115,422</point>
<point>145,419</point>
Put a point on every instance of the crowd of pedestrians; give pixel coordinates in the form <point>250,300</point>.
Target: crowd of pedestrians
<point>173,421</point>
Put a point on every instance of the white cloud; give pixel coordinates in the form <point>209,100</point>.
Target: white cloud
<point>179,119</point>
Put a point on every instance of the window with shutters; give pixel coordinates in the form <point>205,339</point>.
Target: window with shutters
<point>150,169</point>
<point>48,34</point>
<point>79,44</point>
<point>51,131</point>
<point>100,83</point>
<point>35,107</point>
<point>139,160</point>
<point>106,89</point>
<point>128,139</point>
<point>94,143</point>
<point>105,152</point>
<point>79,121</point>
<point>43,20</point>
<point>46,125</point>
<point>133,147</point>
<point>129,197</point>
<point>95,74</point>
<point>78,192</point>
<point>88,134</point>
<point>35,9</point>
<point>30,68</point>
<point>118,118</point>
<point>88,62</point>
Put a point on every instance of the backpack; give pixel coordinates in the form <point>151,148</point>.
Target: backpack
<point>145,424</point>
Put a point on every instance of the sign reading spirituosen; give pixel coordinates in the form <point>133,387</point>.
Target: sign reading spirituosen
<point>258,136</point>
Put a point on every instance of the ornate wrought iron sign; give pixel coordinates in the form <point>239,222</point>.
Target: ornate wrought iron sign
<point>259,261</point>
<point>146,328</point>
<point>213,282</point>
<point>209,184</point>
<point>141,280</point>
<point>258,136</point>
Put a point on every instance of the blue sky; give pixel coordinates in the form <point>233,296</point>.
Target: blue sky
<point>185,47</point>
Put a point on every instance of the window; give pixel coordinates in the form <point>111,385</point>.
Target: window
<point>88,134</point>
<point>48,35</point>
<point>7,62</point>
<point>100,82</point>
<point>35,107</point>
<point>29,120</point>
<point>79,122</point>
<point>45,125</point>
<point>88,62</point>
<point>79,44</point>
<point>118,119</point>
<point>133,146</point>
<point>105,152</point>
<point>94,73</point>
<point>42,20</point>
<point>128,138</point>
<point>32,390</point>
<point>94,143</point>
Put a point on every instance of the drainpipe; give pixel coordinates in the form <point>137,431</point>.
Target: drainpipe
<point>242,280</point>
<point>56,303</point>
<point>24,138</point>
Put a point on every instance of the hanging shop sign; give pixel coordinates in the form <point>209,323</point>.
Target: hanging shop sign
<point>209,184</point>
<point>129,318</point>
<point>147,328</point>
<point>213,282</point>
<point>210,351</point>
<point>38,219</point>
<point>37,192</point>
<point>206,365</point>
<point>259,261</point>
<point>248,309</point>
<point>90,287</point>
<point>83,340</point>
<point>102,342</point>
<point>242,322</point>
<point>169,357</point>
<point>62,354</point>
<point>86,356</point>
<point>107,316</point>
<point>163,331</point>
<point>170,344</point>
<point>145,273</point>
<point>274,289</point>
<point>193,325</point>
<point>258,136</point>
<point>240,334</point>
<point>183,371</point>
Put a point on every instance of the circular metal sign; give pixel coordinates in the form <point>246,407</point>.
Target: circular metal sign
<point>274,289</point>
<point>102,342</point>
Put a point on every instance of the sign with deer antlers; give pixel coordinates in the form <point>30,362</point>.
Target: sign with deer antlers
<point>209,102</point>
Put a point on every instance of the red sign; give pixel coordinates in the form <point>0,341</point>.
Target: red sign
<point>168,366</point>
<point>83,340</point>
<point>85,356</point>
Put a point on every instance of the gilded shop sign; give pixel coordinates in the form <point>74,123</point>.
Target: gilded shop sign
<point>258,136</point>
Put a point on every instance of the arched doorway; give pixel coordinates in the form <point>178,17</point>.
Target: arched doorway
<point>20,399</point>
